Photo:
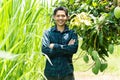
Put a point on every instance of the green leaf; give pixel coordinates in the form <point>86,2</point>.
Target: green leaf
<point>84,46</point>
<point>103,66</point>
<point>86,58</point>
<point>111,48</point>
<point>102,18</point>
<point>101,55</point>
<point>104,51</point>
<point>94,4</point>
<point>89,1</point>
<point>71,1</point>
<point>101,38</point>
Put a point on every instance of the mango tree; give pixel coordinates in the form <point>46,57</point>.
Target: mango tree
<point>98,23</point>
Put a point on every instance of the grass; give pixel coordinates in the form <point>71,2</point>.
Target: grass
<point>22,23</point>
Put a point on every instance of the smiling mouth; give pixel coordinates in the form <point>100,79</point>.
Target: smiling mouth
<point>61,21</point>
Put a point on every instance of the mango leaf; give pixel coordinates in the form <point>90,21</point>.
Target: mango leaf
<point>94,4</point>
<point>71,1</point>
<point>84,46</point>
<point>102,18</point>
<point>104,51</point>
<point>111,48</point>
<point>101,55</point>
<point>101,38</point>
<point>86,58</point>
<point>88,1</point>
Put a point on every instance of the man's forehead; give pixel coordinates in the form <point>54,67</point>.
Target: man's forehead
<point>60,12</point>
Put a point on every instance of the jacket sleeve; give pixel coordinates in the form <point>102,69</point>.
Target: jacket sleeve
<point>45,45</point>
<point>68,49</point>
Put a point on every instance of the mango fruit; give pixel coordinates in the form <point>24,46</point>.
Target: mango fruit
<point>117,12</point>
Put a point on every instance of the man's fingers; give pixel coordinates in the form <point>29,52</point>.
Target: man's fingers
<point>51,46</point>
<point>72,41</point>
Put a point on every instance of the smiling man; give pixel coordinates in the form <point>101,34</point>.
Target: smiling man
<point>59,43</point>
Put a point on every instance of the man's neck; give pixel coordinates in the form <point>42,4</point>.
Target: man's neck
<point>60,28</point>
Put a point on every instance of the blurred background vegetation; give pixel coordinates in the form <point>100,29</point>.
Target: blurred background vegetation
<point>22,23</point>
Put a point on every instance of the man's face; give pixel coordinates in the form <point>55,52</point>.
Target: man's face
<point>60,18</point>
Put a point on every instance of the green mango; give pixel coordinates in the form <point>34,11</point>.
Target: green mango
<point>90,50</point>
<point>111,48</point>
<point>117,12</point>
<point>97,64</point>
<point>86,58</point>
<point>95,55</point>
<point>95,70</point>
<point>103,66</point>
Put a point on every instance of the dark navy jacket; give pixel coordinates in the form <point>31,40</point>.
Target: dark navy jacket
<point>61,54</point>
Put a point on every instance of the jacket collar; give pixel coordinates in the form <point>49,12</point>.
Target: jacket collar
<point>65,30</point>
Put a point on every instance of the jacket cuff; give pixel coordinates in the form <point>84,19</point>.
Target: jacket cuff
<point>57,46</point>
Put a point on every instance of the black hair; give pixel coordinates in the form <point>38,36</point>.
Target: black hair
<point>60,8</point>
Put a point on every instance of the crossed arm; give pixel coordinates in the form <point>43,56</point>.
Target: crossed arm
<point>53,49</point>
<point>71,42</point>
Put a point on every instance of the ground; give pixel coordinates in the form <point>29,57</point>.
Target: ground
<point>82,71</point>
<point>91,76</point>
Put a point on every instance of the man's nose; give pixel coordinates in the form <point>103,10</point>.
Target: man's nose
<point>60,17</point>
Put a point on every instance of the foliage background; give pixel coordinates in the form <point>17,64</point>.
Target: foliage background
<point>22,23</point>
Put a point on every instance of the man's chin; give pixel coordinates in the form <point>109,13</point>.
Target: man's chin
<point>61,24</point>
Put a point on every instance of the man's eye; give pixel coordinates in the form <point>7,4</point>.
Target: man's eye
<point>60,15</point>
<point>63,15</point>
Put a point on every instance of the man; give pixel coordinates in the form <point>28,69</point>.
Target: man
<point>59,44</point>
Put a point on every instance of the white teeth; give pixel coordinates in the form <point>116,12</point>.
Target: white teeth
<point>60,21</point>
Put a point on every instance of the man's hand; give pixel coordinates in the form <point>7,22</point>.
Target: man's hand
<point>71,42</point>
<point>51,46</point>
